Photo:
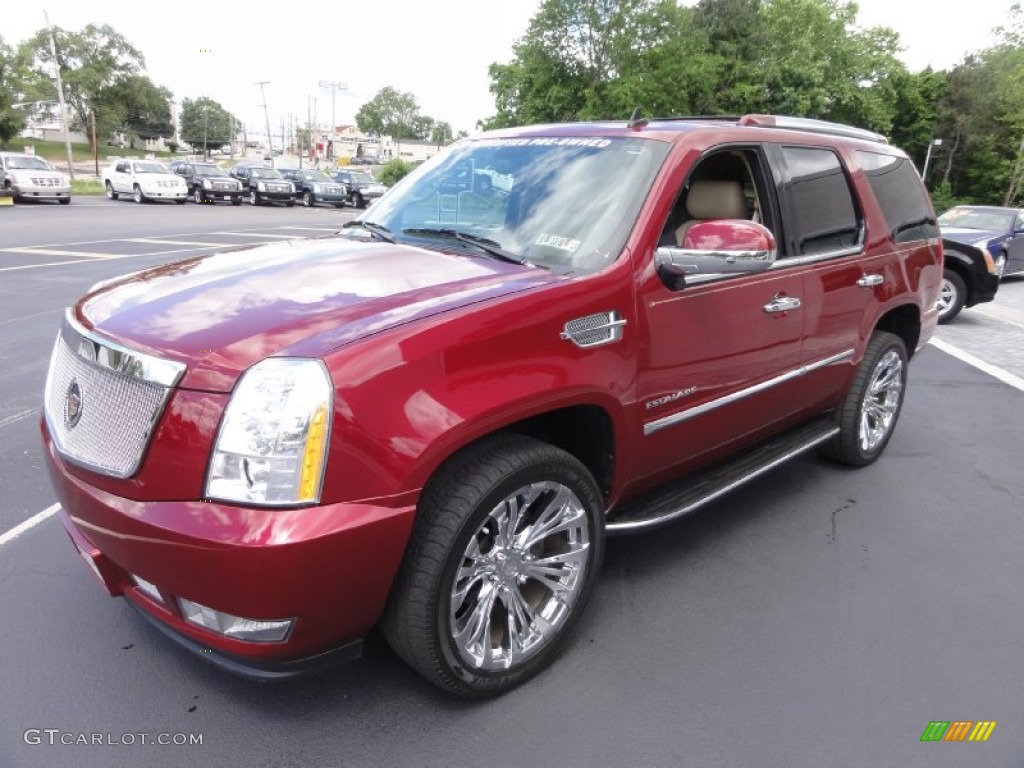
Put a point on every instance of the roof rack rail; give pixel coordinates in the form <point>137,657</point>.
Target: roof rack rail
<point>812,126</point>
<point>700,118</point>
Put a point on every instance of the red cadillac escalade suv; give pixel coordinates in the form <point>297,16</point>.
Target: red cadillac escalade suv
<point>432,420</point>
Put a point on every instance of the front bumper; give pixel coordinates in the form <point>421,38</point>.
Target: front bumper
<point>222,194</point>
<point>986,285</point>
<point>330,197</point>
<point>277,197</point>
<point>33,192</point>
<point>328,567</point>
<point>166,193</point>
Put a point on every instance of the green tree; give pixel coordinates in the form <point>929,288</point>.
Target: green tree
<point>205,123</point>
<point>13,79</point>
<point>390,113</point>
<point>441,133</point>
<point>394,170</point>
<point>819,64</point>
<point>91,61</point>
<point>135,106</point>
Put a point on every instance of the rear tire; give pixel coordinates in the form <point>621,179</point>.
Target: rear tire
<point>506,548</point>
<point>871,408</point>
<point>952,296</point>
<point>64,200</point>
<point>111,194</point>
<point>236,201</point>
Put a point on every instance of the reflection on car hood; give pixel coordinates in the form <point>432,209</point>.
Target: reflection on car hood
<point>222,313</point>
<point>970,236</point>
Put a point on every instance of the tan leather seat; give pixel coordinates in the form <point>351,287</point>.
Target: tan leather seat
<point>710,199</point>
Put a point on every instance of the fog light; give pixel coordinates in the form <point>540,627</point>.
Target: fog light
<point>253,630</point>
<point>148,589</point>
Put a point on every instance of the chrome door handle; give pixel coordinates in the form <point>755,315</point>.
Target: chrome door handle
<point>782,304</point>
<point>870,280</point>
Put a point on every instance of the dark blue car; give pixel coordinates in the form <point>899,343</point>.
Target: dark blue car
<point>999,231</point>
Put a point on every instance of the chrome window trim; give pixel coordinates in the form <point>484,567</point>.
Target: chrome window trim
<point>677,418</point>
<point>783,263</point>
<point>112,356</point>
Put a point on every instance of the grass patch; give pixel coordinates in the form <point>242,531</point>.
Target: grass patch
<point>87,187</point>
<point>55,152</point>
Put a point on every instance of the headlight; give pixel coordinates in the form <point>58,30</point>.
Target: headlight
<point>272,445</point>
<point>261,186</point>
<point>317,188</point>
<point>206,184</point>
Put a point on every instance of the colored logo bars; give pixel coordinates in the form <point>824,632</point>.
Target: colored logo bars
<point>958,730</point>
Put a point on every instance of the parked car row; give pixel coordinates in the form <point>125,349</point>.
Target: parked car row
<point>208,183</point>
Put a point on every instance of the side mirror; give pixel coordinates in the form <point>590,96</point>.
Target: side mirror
<point>718,247</point>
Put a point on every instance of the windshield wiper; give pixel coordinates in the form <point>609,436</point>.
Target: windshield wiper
<point>485,244</point>
<point>377,230</point>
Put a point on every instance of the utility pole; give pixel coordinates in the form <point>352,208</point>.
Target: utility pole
<point>335,87</point>
<point>266,115</point>
<point>95,145</point>
<point>60,95</point>
<point>928,158</point>
<point>206,130</point>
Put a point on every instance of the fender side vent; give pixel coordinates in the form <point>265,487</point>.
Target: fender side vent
<point>594,330</point>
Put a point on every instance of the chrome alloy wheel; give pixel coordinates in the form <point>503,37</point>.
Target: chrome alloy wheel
<point>947,296</point>
<point>520,576</point>
<point>881,401</point>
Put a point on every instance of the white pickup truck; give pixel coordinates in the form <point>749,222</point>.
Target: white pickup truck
<point>143,180</point>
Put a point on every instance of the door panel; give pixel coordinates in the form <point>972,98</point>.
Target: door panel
<point>716,364</point>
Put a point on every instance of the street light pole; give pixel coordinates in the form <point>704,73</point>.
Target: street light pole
<point>928,157</point>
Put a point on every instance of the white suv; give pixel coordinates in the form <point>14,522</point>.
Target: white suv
<point>32,178</point>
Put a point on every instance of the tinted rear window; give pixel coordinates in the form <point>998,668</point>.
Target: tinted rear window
<point>823,210</point>
<point>901,196</point>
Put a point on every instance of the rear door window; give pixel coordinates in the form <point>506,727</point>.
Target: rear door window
<point>822,214</point>
<point>900,195</point>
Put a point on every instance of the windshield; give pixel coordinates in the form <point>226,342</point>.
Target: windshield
<point>315,176</point>
<point>209,170</point>
<point>150,168</point>
<point>362,178</point>
<point>28,162</point>
<point>978,218</point>
<point>563,203</point>
<point>266,173</point>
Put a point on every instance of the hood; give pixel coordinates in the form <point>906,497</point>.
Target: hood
<point>971,236</point>
<point>222,313</point>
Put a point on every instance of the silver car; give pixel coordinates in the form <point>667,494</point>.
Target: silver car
<point>32,178</point>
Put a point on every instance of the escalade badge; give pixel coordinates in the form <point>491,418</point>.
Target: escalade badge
<point>73,405</point>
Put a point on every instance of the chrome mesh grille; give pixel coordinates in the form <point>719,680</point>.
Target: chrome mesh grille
<point>116,413</point>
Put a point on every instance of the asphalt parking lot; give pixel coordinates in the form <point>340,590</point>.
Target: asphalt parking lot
<point>820,616</point>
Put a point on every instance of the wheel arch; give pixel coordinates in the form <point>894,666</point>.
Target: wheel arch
<point>958,260</point>
<point>903,321</point>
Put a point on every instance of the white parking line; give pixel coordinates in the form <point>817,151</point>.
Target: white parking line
<point>17,417</point>
<point>992,370</point>
<point>254,234</point>
<point>32,522</point>
<point>155,241</point>
<point>50,252</point>
<point>315,229</point>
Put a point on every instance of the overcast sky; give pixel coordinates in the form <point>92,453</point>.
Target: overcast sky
<point>438,50</point>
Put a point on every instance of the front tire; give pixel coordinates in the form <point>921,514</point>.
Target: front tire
<point>254,197</point>
<point>137,195</point>
<point>952,296</point>
<point>358,201</point>
<point>111,194</point>
<point>871,408</point>
<point>64,200</point>
<point>198,196</point>
<point>505,551</point>
<point>307,199</point>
